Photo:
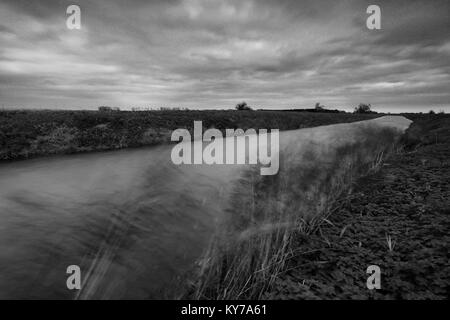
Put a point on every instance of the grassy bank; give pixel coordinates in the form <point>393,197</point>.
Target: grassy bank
<point>397,218</point>
<point>25,133</point>
<point>256,243</point>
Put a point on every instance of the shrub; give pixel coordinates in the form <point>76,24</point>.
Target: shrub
<point>243,106</point>
<point>319,107</point>
<point>363,108</point>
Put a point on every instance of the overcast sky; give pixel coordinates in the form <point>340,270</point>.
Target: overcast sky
<point>213,54</point>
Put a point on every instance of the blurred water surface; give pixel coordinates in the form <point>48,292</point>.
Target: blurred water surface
<point>134,222</point>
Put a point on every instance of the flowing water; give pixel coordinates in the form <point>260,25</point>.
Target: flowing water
<point>134,222</point>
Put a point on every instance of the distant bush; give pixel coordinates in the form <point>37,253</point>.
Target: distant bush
<point>319,107</point>
<point>108,109</point>
<point>363,108</point>
<point>243,106</point>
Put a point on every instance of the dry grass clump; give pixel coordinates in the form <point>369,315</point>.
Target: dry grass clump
<point>253,243</point>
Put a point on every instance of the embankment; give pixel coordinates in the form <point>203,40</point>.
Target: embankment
<point>397,218</point>
<point>27,134</point>
<point>268,213</point>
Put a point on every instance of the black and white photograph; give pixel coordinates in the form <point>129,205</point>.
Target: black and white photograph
<point>210,150</point>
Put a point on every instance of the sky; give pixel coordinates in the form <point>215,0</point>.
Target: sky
<point>212,54</point>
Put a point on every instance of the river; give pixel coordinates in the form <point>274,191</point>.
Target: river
<point>133,221</point>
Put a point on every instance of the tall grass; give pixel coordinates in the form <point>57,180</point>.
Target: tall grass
<point>254,242</point>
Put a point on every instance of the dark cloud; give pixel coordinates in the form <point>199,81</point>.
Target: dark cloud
<point>211,53</point>
<point>5,29</point>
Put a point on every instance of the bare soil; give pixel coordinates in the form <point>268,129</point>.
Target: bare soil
<point>406,201</point>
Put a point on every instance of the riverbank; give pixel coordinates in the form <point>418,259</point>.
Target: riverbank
<point>28,134</point>
<point>256,240</point>
<point>397,218</point>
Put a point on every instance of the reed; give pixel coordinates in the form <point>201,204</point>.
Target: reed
<point>254,242</point>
